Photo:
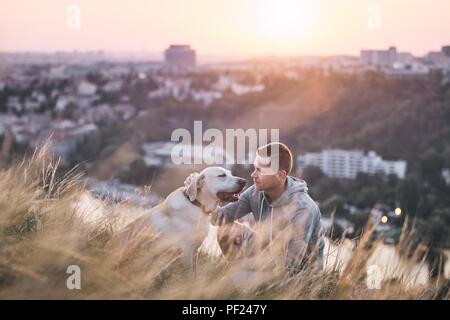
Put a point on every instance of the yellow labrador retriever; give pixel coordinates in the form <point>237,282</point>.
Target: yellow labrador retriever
<point>236,240</point>
<point>182,220</point>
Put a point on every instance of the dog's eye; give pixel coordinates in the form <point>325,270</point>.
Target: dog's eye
<point>222,175</point>
<point>238,241</point>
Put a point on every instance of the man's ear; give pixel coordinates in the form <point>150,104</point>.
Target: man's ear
<point>282,174</point>
<point>194,182</point>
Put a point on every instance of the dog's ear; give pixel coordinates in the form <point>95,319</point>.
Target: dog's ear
<point>224,243</point>
<point>192,183</point>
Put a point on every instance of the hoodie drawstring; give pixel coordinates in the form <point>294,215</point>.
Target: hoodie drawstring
<point>271,221</point>
<point>260,208</point>
<point>271,218</point>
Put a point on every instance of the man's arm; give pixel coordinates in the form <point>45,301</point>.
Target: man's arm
<point>302,228</point>
<point>233,210</point>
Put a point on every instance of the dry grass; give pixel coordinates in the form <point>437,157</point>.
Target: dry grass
<point>41,234</point>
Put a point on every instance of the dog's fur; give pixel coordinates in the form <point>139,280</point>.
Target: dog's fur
<point>182,219</point>
<point>236,240</point>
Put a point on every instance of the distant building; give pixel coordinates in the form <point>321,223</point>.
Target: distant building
<point>113,191</point>
<point>348,163</point>
<point>86,88</point>
<point>239,89</point>
<point>446,50</point>
<point>180,56</point>
<point>438,59</point>
<point>159,154</point>
<point>405,57</point>
<point>57,72</point>
<point>407,69</point>
<point>65,137</point>
<point>102,114</point>
<point>206,97</point>
<point>379,57</point>
<point>446,176</point>
<point>177,88</point>
<point>223,83</point>
<point>113,86</point>
<point>125,111</point>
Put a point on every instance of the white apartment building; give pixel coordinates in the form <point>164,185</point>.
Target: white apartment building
<point>348,163</point>
<point>86,88</point>
<point>159,154</point>
<point>379,57</point>
<point>446,176</point>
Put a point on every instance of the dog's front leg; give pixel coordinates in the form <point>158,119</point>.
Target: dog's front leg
<point>188,259</point>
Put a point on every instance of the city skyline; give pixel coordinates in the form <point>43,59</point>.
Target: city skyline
<point>227,28</point>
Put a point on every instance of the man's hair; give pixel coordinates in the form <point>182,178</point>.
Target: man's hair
<point>283,154</point>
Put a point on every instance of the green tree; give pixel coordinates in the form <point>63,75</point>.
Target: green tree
<point>408,193</point>
<point>334,203</point>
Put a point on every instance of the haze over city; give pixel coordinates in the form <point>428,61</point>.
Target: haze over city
<point>236,28</point>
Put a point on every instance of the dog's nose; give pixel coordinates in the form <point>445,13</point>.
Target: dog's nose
<point>242,182</point>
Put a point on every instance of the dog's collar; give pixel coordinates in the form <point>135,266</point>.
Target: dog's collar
<point>197,203</point>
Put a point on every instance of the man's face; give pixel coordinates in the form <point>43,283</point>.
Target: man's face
<point>264,178</point>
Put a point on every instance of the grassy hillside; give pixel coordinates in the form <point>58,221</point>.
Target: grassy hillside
<point>42,232</point>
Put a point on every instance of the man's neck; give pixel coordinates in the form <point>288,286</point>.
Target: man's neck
<point>276,192</point>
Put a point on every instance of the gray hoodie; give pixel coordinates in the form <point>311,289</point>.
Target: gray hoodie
<point>294,213</point>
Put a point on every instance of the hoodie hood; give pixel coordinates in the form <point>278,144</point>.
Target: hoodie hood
<point>294,188</point>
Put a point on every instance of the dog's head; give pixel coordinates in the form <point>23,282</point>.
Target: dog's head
<point>212,185</point>
<point>236,240</point>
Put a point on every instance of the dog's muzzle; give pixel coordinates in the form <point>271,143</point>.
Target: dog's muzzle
<point>232,196</point>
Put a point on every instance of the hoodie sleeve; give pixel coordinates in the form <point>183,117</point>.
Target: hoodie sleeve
<point>233,210</point>
<point>302,229</point>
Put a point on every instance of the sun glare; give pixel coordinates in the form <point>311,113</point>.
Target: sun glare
<point>284,20</point>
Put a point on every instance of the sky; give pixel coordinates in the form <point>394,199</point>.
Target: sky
<point>225,27</point>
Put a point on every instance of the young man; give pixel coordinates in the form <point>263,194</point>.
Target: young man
<point>281,207</point>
